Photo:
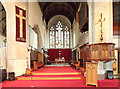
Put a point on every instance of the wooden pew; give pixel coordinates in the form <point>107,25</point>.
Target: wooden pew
<point>76,64</point>
<point>37,65</point>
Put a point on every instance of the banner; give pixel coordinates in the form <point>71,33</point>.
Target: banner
<point>20,25</point>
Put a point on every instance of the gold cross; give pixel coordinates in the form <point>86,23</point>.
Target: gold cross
<point>101,21</point>
<point>20,15</point>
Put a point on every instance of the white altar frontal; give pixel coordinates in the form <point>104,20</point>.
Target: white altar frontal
<point>60,60</point>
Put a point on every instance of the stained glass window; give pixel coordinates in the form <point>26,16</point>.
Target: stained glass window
<point>52,37</point>
<point>66,37</point>
<point>59,36</point>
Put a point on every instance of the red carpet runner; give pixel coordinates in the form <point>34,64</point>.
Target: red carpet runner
<point>56,77</point>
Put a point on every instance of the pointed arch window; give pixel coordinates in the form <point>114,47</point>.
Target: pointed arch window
<point>59,36</point>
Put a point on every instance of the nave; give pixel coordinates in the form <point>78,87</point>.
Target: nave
<point>35,34</point>
<point>52,76</point>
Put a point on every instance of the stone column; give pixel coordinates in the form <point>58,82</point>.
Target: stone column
<point>91,22</point>
<point>95,9</point>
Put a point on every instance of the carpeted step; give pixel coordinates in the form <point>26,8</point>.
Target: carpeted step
<point>49,78</point>
<point>53,69</point>
<point>67,73</point>
<point>39,76</point>
<point>82,69</point>
<point>53,76</point>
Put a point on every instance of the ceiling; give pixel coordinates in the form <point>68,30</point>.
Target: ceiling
<point>50,9</point>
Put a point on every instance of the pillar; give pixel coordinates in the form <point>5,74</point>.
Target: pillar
<point>95,9</point>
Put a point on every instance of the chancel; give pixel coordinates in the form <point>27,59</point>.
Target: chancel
<point>59,44</point>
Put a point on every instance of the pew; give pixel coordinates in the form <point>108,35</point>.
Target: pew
<point>75,64</point>
<point>37,65</point>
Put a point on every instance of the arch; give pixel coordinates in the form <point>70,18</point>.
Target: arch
<point>59,32</point>
<point>61,18</point>
<point>2,20</point>
<point>3,35</point>
<point>39,38</point>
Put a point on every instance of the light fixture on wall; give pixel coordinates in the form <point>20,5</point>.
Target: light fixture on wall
<point>43,49</point>
<point>29,48</point>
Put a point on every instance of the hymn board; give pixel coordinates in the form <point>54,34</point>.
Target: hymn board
<point>20,25</point>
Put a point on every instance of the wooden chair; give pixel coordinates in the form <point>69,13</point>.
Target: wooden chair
<point>78,65</point>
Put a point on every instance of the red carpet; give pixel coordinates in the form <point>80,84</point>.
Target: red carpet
<point>54,76</point>
<point>54,69</point>
<point>58,83</point>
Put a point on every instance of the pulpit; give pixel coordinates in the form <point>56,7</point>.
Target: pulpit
<point>102,51</point>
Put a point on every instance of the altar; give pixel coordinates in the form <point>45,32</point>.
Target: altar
<point>60,60</point>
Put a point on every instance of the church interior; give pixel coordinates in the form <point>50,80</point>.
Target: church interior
<point>59,44</point>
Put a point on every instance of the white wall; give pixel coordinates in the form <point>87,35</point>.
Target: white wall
<point>76,33</point>
<point>35,18</point>
<point>33,38</point>
<point>116,40</point>
<point>1,40</point>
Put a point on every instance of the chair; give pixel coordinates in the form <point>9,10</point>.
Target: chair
<point>78,65</point>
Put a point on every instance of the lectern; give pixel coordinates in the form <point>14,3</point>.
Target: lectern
<point>91,73</point>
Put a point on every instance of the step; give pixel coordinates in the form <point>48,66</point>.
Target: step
<point>69,73</point>
<point>53,76</point>
<point>50,78</point>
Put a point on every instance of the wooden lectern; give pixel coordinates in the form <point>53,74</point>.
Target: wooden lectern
<point>91,73</point>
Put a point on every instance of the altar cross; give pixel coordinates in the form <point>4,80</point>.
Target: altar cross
<point>101,20</point>
<point>21,17</point>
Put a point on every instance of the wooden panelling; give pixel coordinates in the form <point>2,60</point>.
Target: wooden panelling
<point>40,57</point>
<point>84,54</point>
<point>74,55</point>
<point>102,51</point>
<point>116,18</point>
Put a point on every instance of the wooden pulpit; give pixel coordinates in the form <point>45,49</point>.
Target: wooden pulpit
<point>102,51</point>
